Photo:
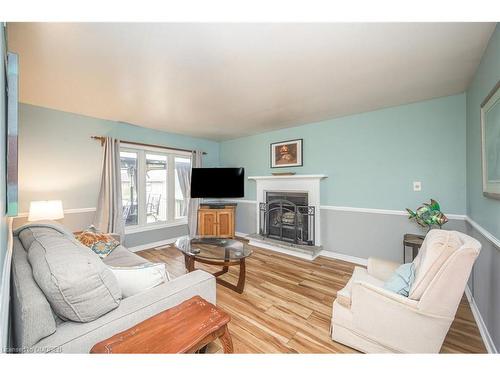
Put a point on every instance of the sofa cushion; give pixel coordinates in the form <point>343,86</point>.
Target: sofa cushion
<point>78,286</point>
<point>32,317</point>
<point>437,248</point>
<point>136,279</point>
<point>122,257</point>
<point>29,232</point>
<point>359,274</point>
<point>26,237</point>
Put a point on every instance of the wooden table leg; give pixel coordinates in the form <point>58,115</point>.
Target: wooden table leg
<point>241,279</point>
<point>221,272</point>
<point>202,350</point>
<point>242,276</point>
<point>226,258</point>
<point>189,263</point>
<point>226,341</point>
<point>414,252</point>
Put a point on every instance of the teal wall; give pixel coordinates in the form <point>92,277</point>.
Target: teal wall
<point>59,160</point>
<point>485,280</point>
<point>484,211</point>
<point>3,222</point>
<point>3,218</point>
<point>372,159</point>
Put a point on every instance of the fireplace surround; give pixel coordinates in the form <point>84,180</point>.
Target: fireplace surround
<point>292,184</point>
<point>286,216</point>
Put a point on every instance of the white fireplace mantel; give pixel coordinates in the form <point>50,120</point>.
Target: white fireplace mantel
<point>303,183</point>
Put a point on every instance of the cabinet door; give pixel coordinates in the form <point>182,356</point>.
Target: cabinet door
<point>207,223</point>
<point>225,220</point>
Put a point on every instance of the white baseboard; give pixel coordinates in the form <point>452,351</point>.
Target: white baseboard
<point>152,245</point>
<point>242,235</point>
<point>281,250</point>
<point>344,257</point>
<point>483,330</point>
<point>323,253</point>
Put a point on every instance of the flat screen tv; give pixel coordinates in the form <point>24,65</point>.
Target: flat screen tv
<point>218,183</point>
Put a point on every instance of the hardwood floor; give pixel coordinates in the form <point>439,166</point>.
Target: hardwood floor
<point>287,304</point>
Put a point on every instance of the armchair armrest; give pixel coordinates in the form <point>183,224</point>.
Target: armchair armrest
<point>395,321</point>
<point>384,295</point>
<point>381,269</point>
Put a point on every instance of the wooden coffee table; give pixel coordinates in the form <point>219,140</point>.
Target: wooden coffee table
<point>216,251</point>
<point>185,328</point>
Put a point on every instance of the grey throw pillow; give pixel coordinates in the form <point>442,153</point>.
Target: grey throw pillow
<point>77,284</point>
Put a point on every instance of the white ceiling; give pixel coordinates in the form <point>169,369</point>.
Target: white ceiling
<point>223,81</point>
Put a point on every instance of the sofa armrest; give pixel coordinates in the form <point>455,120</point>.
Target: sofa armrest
<point>72,337</point>
<point>381,269</point>
<point>116,236</point>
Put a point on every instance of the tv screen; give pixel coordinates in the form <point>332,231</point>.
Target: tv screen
<point>217,183</point>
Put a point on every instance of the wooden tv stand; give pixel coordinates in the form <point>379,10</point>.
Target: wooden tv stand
<point>216,220</point>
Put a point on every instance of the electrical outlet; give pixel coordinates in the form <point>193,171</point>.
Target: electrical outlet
<point>417,186</point>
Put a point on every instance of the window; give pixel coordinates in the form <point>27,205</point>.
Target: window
<point>129,186</point>
<point>154,187</point>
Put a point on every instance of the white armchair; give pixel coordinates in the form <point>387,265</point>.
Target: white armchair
<point>371,319</point>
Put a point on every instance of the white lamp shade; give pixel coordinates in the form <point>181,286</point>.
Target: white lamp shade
<point>45,210</point>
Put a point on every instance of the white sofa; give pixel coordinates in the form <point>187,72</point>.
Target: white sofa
<point>371,319</point>
<point>37,329</point>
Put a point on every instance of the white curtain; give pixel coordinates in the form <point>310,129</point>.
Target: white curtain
<point>184,175</point>
<point>194,203</point>
<point>109,217</point>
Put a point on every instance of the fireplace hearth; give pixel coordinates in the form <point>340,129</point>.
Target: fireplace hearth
<point>286,216</point>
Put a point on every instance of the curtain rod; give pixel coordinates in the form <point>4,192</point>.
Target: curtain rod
<point>144,144</point>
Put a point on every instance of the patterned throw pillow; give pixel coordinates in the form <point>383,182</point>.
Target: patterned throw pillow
<point>100,243</point>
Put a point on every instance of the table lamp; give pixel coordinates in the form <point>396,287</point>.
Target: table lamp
<point>45,210</point>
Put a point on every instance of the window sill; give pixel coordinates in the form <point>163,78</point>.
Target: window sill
<point>150,227</point>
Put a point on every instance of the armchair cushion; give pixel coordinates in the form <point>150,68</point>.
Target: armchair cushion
<point>381,269</point>
<point>359,275</point>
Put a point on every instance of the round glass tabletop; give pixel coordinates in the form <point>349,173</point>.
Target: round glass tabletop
<point>213,248</point>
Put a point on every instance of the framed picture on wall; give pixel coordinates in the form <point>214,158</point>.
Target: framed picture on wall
<point>286,154</point>
<point>490,143</point>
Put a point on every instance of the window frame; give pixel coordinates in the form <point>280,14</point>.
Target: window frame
<point>142,224</point>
